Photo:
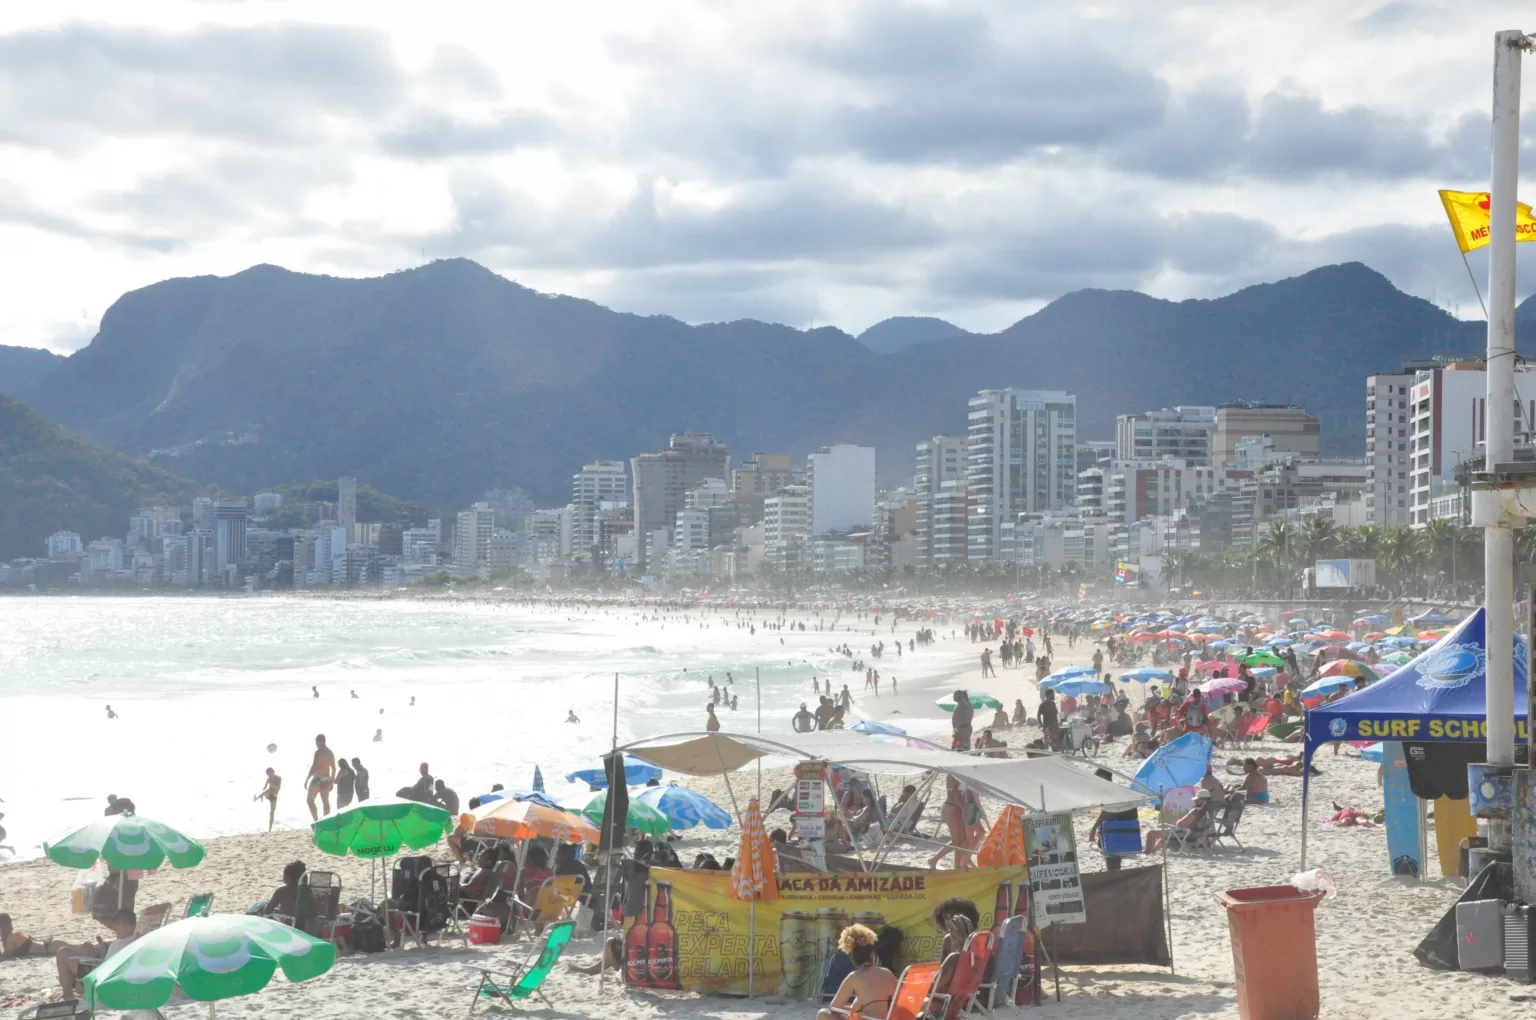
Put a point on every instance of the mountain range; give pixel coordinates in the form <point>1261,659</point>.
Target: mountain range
<point>439,382</point>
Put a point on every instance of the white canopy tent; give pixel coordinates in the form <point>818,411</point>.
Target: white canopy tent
<point>1046,783</point>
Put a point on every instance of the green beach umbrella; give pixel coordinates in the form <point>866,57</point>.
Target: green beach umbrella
<point>215,957</point>
<point>379,828</point>
<point>127,843</point>
<point>1398,658</point>
<point>1262,659</point>
<point>641,816</point>
<point>978,700</point>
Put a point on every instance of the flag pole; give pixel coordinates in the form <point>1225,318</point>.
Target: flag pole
<point>602,955</point>
<point>1475,288</point>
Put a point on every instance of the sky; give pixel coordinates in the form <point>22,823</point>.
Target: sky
<point>812,163</point>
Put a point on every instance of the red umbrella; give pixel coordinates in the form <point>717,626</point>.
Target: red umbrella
<point>1330,652</point>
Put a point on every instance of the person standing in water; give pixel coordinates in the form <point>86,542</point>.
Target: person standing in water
<point>269,790</point>
<point>346,783</point>
<point>322,776</point>
<point>315,691</point>
<point>111,714</point>
<point>361,782</point>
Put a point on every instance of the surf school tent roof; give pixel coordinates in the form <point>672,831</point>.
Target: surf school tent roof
<point>1432,618</point>
<point>1048,783</point>
<point>1438,696</point>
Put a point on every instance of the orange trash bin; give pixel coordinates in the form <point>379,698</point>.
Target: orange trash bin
<point>1274,951</point>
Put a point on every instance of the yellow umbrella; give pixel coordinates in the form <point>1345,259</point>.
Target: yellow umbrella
<point>526,819</point>
<point>1004,845</point>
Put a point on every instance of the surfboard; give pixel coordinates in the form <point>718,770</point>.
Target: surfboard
<point>1453,823</point>
<point>1405,815</point>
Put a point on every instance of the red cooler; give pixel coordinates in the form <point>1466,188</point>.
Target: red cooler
<point>484,931</point>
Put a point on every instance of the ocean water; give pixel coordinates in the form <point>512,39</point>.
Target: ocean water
<point>203,685</point>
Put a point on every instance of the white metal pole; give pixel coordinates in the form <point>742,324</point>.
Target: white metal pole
<point>602,954</point>
<point>1499,540</point>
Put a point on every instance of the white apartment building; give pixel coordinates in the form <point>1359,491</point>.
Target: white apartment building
<point>472,538</point>
<point>63,544</point>
<point>786,527</point>
<point>264,501</point>
<point>504,549</point>
<point>939,460</point>
<point>841,480</point>
<point>1386,445</point>
<point>418,546</point>
<point>1447,426</point>
<point>602,481</point>
<point>950,523</point>
<point>1021,457</point>
<point>1182,432</point>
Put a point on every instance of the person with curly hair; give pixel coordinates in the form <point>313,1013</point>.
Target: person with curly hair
<point>867,990</point>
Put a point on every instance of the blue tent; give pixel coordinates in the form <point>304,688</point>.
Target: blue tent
<point>1438,696</point>
<point>1180,762</point>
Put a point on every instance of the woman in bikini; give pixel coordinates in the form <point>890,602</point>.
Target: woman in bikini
<point>867,990</point>
<point>959,817</point>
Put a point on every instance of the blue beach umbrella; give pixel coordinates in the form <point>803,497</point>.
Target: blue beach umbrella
<point>1328,683</point>
<point>684,808</point>
<point>871,726</point>
<point>1074,671</point>
<point>636,772</point>
<point>1076,687</point>
<point>1180,762</point>
<point>1146,675</point>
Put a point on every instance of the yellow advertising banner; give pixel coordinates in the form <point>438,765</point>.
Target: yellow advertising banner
<point>1468,212</point>
<point>693,935</point>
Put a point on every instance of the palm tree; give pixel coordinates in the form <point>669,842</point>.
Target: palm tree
<point>1319,537</point>
<point>1401,551</point>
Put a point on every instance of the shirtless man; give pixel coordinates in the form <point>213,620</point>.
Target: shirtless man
<point>322,776</point>
<point>270,790</point>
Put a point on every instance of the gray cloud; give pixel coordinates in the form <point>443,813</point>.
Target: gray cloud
<point>64,86</point>
<point>226,192</point>
<point>430,134</point>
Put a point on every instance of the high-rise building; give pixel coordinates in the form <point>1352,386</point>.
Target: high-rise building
<point>939,460</point>
<point>1021,457</point>
<point>602,481</point>
<point>1386,443</point>
<point>63,544</point>
<point>1183,432</point>
<point>1448,426</point>
<point>841,480</point>
<point>759,478</point>
<point>230,518</point>
<point>472,538</point>
<point>662,480</point>
<point>950,523</point>
<point>787,527</point>
<point>346,504</point>
<point>1291,427</point>
<point>202,511</point>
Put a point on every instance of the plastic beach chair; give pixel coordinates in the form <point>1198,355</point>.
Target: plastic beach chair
<point>152,918</point>
<point>1226,827</point>
<point>1003,987</point>
<point>912,991</point>
<point>528,976</point>
<point>199,905</point>
<point>555,896</point>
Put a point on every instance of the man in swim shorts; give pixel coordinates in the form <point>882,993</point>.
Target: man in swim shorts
<point>273,784</point>
<point>322,776</point>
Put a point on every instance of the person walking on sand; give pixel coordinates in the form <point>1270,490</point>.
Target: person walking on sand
<point>315,691</point>
<point>322,776</point>
<point>711,723</point>
<point>346,784</point>
<point>269,790</point>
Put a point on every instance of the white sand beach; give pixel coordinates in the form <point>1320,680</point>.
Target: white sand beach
<point>1365,933</point>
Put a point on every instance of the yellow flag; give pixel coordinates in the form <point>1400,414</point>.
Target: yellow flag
<point>1468,212</point>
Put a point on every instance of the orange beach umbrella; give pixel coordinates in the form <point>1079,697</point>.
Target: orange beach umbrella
<point>1004,845</point>
<point>526,819</point>
<point>752,876</point>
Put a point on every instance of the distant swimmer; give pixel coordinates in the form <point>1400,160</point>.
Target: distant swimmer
<point>353,693</point>
<point>570,716</point>
<point>413,701</point>
<point>269,790</point>
<point>378,735</point>
<point>322,776</point>
<point>315,691</point>
<point>111,714</point>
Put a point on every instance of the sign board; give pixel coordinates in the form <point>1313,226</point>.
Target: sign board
<point>1054,880</point>
<point>810,817</point>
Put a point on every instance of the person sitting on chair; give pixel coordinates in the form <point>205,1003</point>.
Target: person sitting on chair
<point>75,961</point>
<point>1192,822</point>
<point>867,991</point>
<point>1255,785</point>
<point>284,900</point>
<point>535,873</point>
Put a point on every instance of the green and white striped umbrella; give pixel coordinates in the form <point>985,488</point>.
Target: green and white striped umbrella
<point>379,828</point>
<point>126,842</point>
<point>209,958</point>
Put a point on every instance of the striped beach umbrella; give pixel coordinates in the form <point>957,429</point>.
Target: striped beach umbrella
<point>752,876</point>
<point>126,842</point>
<point>684,808</point>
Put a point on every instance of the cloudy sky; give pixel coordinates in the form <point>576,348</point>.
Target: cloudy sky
<point>813,163</point>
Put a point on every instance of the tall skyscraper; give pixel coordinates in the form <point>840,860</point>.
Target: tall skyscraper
<point>1448,426</point>
<point>1387,414</point>
<point>842,483</point>
<point>663,479</point>
<point>1021,457</point>
<point>602,481</point>
<point>346,504</point>
<point>939,460</point>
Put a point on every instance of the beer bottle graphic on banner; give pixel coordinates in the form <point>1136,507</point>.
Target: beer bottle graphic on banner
<point>661,941</point>
<point>636,952</point>
<point>1000,909</point>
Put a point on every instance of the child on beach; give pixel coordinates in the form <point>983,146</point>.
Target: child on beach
<point>270,790</point>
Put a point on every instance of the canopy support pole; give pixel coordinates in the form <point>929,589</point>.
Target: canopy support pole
<point>602,954</point>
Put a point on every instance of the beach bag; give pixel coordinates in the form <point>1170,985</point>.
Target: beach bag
<point>368,934</point>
